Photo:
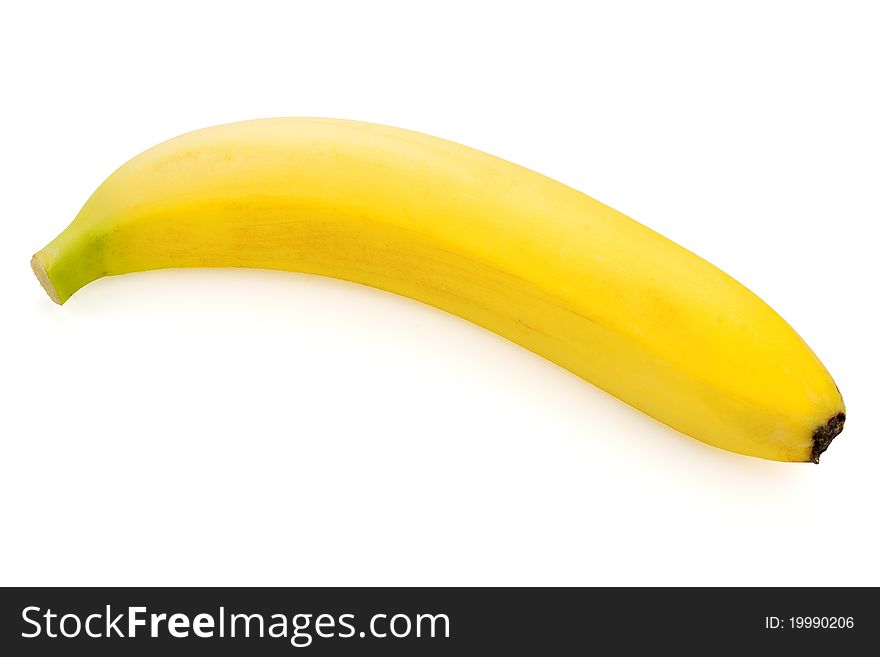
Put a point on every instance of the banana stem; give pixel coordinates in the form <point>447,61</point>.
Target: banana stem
<point>40,270</point>
<point>68,263</point>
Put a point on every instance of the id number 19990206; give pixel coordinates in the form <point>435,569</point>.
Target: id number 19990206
<point>809,623</point>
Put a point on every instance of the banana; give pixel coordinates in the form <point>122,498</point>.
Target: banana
<point>502,246</point>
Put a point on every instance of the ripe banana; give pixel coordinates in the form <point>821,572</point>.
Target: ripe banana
<point>506,248</point>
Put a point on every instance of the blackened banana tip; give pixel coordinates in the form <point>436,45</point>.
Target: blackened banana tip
<point>825,433</point>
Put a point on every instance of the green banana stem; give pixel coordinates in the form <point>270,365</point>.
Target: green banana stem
<point>68,263</point>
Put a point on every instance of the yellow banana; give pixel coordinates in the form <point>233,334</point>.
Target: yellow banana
<point>506,248</point>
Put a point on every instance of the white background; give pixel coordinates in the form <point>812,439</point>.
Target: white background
<point>245,427</point>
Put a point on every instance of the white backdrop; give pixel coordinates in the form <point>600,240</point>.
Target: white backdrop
<point>246,427</point>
